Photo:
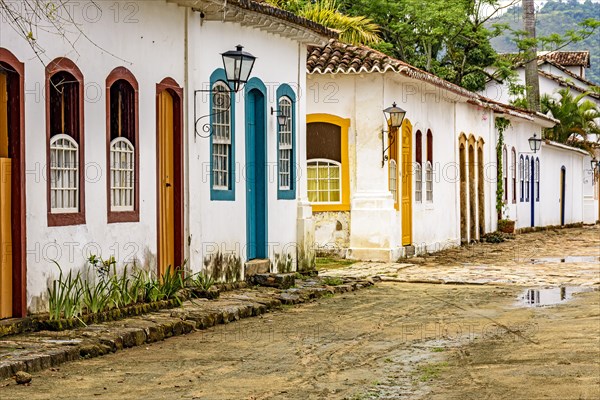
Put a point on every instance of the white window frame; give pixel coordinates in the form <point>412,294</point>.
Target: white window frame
<point>123,173</point>
<point>429,182</point>
<point>285,144</point>
<point>527,172</point>
<point>320,162</point>
<point>418,183</point>
<point>393,181</point>
<point>221,136</point>
<point>61,146</point>
<point>537,179</point>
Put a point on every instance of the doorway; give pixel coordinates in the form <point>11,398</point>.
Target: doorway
<point>407,177</point>
<point>472,199</point>
<point>532,190</point>
<point>462,156</point>
<point>169,179</point>
<point>256,175</point>
<point>12,188</point>
<point>563,185</point>
<point>480,189</point>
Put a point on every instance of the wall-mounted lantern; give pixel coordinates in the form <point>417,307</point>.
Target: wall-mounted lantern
<point>535,143</point>
<point>594,164</point>
<point>238,65</point>
<point>394,116</point>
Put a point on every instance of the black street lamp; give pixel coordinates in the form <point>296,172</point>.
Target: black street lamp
<point>535,143</point>
<point>394,116</point>
<point>595,163</point>
<point>281,117</point>
<point>238,66</point>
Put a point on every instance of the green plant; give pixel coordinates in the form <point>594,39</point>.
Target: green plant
<point>95,296</point>
<point>332,281</point>
<point>501,125</point>
<point>201,281</point>
<point>65,295</point>
<point>171,283</point>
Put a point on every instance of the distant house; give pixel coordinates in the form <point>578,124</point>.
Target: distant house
<point>106,148</point>
<point>560,70</point>
<point>432,184</point>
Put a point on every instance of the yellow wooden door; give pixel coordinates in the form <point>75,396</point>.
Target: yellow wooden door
<point>166,201</point>
<point>5,207</point>
<point>407,176</point>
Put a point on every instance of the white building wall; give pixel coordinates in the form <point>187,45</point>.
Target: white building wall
<point>153,50</point>
<point>220,226</point>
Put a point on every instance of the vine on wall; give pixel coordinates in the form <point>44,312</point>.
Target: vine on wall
<point>501,125</point>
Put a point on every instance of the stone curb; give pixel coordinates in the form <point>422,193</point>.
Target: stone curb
<point>47,349</point>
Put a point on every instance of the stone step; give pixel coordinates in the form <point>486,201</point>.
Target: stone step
<point>257,266</point>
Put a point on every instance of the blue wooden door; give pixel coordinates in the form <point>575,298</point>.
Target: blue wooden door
<point>256,175</point>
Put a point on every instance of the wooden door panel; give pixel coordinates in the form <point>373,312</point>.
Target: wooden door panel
<point>406,184</point>
<point>166,226</point>
<point>5,239</point>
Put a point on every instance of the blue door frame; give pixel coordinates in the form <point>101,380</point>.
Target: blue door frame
<point>256,171</point>
<point>532,191</point>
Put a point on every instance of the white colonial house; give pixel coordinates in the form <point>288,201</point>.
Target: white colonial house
<point>561,70</point>
<point>104,149</point>
<point>428,185</point>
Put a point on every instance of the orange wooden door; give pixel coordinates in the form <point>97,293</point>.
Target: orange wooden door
<point>166,173</point>
<point>5,207</point>
<point>407,176</point>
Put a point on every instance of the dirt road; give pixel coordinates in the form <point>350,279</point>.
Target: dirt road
<point>392,341</point>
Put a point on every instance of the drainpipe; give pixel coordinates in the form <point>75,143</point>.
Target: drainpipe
<point>186,158</point>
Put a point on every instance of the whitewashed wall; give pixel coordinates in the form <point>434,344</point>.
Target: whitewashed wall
<point>220,226</point>
<point>153,50</point>
<point>554,158</point>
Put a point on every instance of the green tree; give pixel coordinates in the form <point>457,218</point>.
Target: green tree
<point>352,29</point>
<point>578,118</point>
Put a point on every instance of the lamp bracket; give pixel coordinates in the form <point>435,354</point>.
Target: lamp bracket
<point>206,130</point>
<point>391,140</point>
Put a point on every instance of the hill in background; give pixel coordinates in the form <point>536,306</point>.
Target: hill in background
<point>556,17</point>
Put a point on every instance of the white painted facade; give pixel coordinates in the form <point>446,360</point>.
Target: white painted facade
<point>159,40</point>
<point>375,223</point>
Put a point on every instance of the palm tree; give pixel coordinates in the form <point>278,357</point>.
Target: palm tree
<point>578,118</point>
<point>355,30</point>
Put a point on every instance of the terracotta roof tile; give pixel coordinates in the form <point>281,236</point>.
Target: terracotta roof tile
<point>337,57</point>
<point>568,58</point>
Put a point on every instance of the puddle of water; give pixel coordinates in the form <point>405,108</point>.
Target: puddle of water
<point>566,260</point>
<point>549,296</point>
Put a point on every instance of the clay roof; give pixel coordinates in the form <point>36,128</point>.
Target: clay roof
<point>571,74</point>
<point>568,58</point>
<point>337,57</point>
<point>562,58</point>
<point>567,83</point>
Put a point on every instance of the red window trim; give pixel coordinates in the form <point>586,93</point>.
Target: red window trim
<point>58,65</point>
<point>122,73</point>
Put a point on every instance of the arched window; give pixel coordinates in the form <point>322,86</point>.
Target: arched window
<point>527,173</point>
<point>537,179</point>
<point>286,139</point>
<point>429,168</point>
<point>222,162</point>
<point>522,177</point>
<point>418,183</point>
<point>122,131</point>
<point>394,180</point>
<point>122,175</point>
<point>324,181</point>
<point>418,167</point>
<point>429,181</point>
<point>505,172</point>
<point>64,130</point>
<point>514,174</point>
<point>64,174</point>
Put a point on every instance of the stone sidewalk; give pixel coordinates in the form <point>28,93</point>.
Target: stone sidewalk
<point>551,258</point>
<point>31,352</point>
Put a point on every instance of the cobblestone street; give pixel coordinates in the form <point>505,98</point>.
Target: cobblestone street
<point>391,341</point>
